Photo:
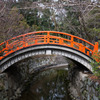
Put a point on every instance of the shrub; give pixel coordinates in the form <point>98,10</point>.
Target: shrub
<point>96,64</point>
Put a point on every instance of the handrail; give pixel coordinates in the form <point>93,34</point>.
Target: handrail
<point>46,37</point>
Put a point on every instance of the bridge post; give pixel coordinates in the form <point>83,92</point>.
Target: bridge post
<point>96,47</point>
<point>72,40</point>
<point>60,41</point>
<point>48,35</point>
<point>6,48</point>
<point>44,39</point>
<point>23,41</point>
<point>35,41</point>
<point>80,46</point>
<point>7,44</point>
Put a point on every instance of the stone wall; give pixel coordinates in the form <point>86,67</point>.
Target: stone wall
<point>3,87</point>
<point>82,87</point>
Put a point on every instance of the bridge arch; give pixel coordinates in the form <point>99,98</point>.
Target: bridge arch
<point>46,43</point>
<point>45,50</point>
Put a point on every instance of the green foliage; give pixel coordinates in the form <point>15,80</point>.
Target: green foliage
<point>39,20</point>
<point>96,64</point>
<point>93,22</point>
<point>96,30</point>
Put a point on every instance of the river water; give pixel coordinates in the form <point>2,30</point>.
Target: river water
<point>48,85</point>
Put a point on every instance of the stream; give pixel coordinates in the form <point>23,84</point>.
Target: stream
<point>48,85</point>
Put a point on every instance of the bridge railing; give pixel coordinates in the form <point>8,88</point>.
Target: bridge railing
<point>47,37</point>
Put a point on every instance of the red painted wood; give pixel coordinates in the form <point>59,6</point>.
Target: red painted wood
<point>46,37</point>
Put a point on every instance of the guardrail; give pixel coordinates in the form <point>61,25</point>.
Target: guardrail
<point>47,37</point>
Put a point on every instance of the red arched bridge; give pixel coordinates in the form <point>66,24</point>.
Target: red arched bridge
<point>46,42</point>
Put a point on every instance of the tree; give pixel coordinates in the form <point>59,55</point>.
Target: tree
<point>62,15</point>
<point>12,24</point>
<point>92,21</point>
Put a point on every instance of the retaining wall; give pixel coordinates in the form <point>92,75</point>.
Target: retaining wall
<point>82,87</point>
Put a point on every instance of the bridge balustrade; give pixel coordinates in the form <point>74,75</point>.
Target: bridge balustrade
<point>47,37</point>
